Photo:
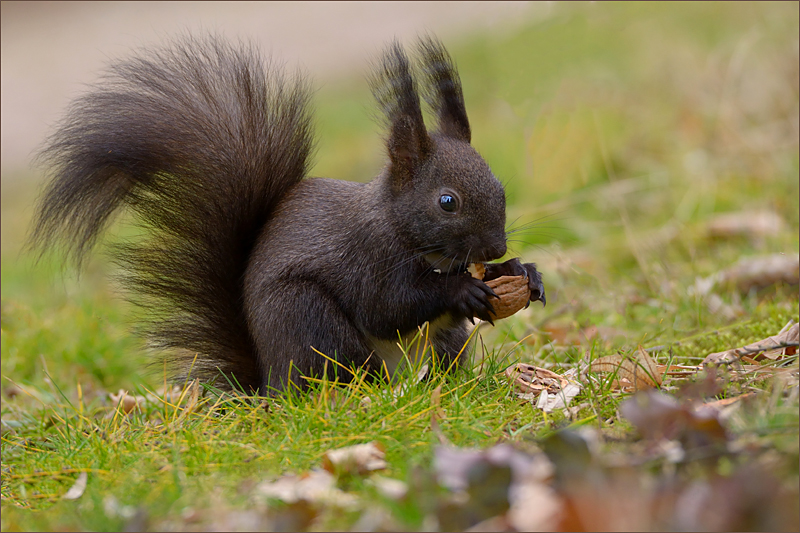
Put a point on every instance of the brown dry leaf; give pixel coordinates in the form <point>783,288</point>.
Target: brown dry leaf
<point>659,416</point>
<point>359,459</point>
<point>561,333</point>
<point>752,498</point>
<point>633,373</point>
<point>590,333</point>
<point>495,482</point>
<point>535,506</point>
<point>764,271</point>
<point>453,466</point>
<point>758,272</point>
<point>678,371</point>
<point>745,275</point>
<point>773,348</point>
<point>719,404</point>
<point>752,224</point>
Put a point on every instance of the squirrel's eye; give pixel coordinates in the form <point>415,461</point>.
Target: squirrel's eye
<point>448,203</point>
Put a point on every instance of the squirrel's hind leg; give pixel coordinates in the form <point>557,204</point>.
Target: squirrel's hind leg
<point>449,342</point>
<point>292,325</point>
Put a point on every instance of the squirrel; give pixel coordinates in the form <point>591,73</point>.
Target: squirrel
<point>248,268</point>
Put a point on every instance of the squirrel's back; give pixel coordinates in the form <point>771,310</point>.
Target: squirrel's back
<point>201,140</point>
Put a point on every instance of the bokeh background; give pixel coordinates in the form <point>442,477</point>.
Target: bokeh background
<point>50,50</point>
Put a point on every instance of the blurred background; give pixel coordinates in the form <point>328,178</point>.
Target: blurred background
<point>50,50</point>
<point>625,134</point>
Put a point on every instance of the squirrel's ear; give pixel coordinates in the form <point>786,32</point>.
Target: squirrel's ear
<point>396,92</point>
<point>443,89</point>
<point>408,146</point>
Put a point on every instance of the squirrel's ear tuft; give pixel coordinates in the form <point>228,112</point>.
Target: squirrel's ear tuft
<point>443,89</point>
<point>396,92</point>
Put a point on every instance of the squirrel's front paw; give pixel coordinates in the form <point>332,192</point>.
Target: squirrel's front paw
<point>473,298</point>
<point>535,283</point>
<point>513,267</point>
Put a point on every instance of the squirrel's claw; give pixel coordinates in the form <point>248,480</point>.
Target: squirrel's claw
<point>535,284</point>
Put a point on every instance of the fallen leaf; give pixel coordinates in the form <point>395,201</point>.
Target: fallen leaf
<point>718,404</point>
<point>535,506</point>
<point>452,465</point>
<point>659,416</point>
<point>372,519</point>
<point>297,516</point>
<point>114,509</point>
<point>636,373</point>
<point>493,482</point>
<point>752,272</point>
<point>751,499</point>
<point>317,486</point>
<point>771,348</point>
<point>495,523</point>
<point>560,333</point>
<point>77,488</point>
<point>359,459</point>
<point>394,489</point>
<point>752,224</point>
<point>677,370</point>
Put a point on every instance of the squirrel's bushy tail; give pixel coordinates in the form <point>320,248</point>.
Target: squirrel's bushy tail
<point>200,140</point>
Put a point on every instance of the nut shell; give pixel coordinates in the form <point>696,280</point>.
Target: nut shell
<point>513,292</point>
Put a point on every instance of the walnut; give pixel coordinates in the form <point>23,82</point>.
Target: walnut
<point>513,291</point>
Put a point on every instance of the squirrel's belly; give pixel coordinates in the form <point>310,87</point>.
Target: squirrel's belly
<point>393,352</point>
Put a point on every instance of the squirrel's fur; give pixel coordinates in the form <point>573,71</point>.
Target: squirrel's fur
<point>246,263</point>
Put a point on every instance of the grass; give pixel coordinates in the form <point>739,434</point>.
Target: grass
<point>620,131</point>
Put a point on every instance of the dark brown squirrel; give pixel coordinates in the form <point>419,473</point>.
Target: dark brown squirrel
<point>246,263</point>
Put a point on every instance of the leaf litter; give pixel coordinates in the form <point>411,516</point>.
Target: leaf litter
<point>565,482</point>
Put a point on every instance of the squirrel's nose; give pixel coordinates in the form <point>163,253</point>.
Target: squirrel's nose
<point>499,249</point>
<point>495,249</point>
